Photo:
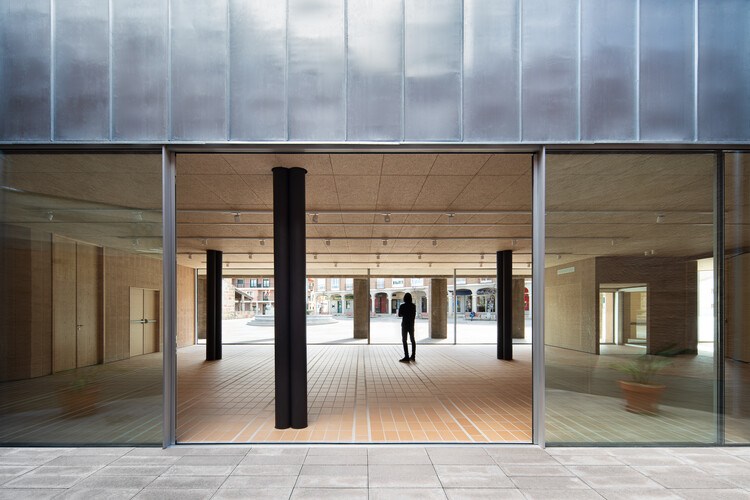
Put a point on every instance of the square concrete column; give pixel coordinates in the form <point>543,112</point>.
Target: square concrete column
<point>361,308</point>
<point>519,318</point>
<point>438,308</point>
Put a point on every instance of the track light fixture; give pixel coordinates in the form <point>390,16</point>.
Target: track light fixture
<point>50,216</point>
<point>659,219</point>
<point>190,256</point>
<point>481,256</point>
<point>514,242</point>
<point>328,243</point>
<point>138,216</point>
<point>450,217</point>
<point>377,256</point>
<point>262,242</point>
<point>387,217</point>
<point>315,218</point>
<point>434,243</point>
<point>204,242</point>
<point>385,242</point>
<point>226,264</point>
<point>315,256</point>
<point>236,217</point>
<point>249,256</point>
<point>419,256</point>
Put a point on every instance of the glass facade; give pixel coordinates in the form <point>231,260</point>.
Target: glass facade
<point>737,297</point>
<point>627,238</point>
<point>81,265</point>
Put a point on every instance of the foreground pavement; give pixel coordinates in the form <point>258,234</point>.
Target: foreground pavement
<point>374,472</point>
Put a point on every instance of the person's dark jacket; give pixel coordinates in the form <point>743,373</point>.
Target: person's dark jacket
<point>407,311</point>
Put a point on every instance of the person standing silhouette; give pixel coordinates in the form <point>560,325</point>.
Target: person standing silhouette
<point>408,311</point>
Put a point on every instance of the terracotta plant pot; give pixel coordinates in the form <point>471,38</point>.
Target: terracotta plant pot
<point>78,402</point>
<point>642,398</point>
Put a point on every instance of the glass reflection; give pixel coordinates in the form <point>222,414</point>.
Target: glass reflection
<point>737,297</point>
<point>80,299</point>
<point>629,353</point>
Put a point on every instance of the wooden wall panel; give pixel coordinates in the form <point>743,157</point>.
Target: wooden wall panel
<point>64,303</point>
<point>151,313</point>
<point>26,328</point>
<point>185,306</point>
<point>570,314</point>
<point>123,270</point>
<point>738,307</point>
<point>88,304</point>
<point>136,314</point>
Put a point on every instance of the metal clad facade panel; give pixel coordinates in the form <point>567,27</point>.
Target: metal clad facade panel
<point>432,108</point>
<point>490,74</point>
<point>666,69</point>
<point>258,70</point>
<point>724,70</point>
<point>25,70</point>
<point>317,70</point>
<point>139,69</point>
<point>81,66</point>
<point>608,69</point>
<point>375,69</point>
<point>549,100</point>
<point>199,70</point>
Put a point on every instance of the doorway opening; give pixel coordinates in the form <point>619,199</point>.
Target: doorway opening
<point>378,226</point>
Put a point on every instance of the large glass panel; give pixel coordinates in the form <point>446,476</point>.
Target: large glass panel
<point>80,299</point>
<point>629,355</point>
<point>737,296</point>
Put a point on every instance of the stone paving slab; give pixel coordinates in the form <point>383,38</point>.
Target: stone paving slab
<point>374,473</point>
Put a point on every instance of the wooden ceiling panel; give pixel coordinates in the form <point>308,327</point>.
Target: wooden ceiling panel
<point>262,186</point>
<point>439,191</point>
<point>399,192</point>
<point>192,193</point>
<point>408,164</point>
<point>234,191</point>
<point>315,164</point>
<point>356,164</point>
<point>480,192</point>
<point>251,164</point>
<point>320,193</point>
<point>516,197</point>
<point>199,163</point>
<point>357,191</point>
<point>507,164</point>
<point>459,164</point>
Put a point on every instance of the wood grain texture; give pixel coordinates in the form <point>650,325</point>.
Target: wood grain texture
<point>64,302</point>
<point>88,304</point>
<point>185,306</point>
<point>136,314</point>
<point>151,313</point>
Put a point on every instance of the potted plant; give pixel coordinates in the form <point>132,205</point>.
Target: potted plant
<point>642,395</point>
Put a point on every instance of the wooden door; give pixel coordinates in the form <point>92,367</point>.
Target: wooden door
<point>63,303</point>
<point>136,321</point>
<point>151,318</point>
<point>88,304</point>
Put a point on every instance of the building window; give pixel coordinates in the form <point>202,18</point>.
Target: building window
<point>321,284</point>
<point>381,283</point>
<point>335,284</point>
<point>397,282</point>
<point>460,281</point>
<point>254,283</point>
<point>240,283</point>
<point>350,283</point>
<point>266,282</point>
<point>417,282</point>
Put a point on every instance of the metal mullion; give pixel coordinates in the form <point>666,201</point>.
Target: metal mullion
<point>719,296</point>
<point>169,298</point>
<point>538,250</point>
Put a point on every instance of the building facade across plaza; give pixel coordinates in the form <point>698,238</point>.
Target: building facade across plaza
<point>572,176</point>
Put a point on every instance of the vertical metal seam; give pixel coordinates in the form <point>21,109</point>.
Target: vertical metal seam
<point>111,71</point>
<point>403,70</point>
<point>455,317</point>
<point>696,61</point>
<point>346,70</point>
<point>228,83</point>
<point>719,297</point>
<point>52,59</point>
<point>638,70</point>
<point>169,298</point>
<point>286,69</point>
<point>538,251</point>
<point>461,77</point>
<point>170,131</point>
<point>195,305</point>
<point>520,70</point>
<point>578,71</point>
